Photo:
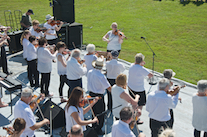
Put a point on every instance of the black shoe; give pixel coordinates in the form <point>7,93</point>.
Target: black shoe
<point>9,73</point>
<point>100,132</point>
<point>139,122</point>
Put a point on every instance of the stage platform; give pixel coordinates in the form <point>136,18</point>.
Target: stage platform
<point>182,113</point>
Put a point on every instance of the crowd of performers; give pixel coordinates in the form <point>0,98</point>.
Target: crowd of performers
<point>41,48</point>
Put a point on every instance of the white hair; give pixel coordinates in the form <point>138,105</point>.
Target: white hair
<point>90,48</point>
<point>139,57</point>
<point>75,53</point>
<point>167,133</point>
<point>202,85</point>
<point>114,23</point>
<point>26,92</point>
<point>163,83</point>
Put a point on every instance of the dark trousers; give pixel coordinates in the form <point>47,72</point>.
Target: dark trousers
<point>4,60</point>
<point>98,108</point>
<point>52,41</point>
<point>63,80</point>
<point>45,82</point>
<point>156,127</point>
<point>72,84</point>
<point>172,119</point>
<point>112,82</point>
<point>198,133</point>
<point>33,73</point>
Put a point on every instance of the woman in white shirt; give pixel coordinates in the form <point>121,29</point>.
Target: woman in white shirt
<point>61,67</point>
<point>18,126</point>
<point>33,29</point>
<point>120,96</point>
<point>33,74</point>
<point>74,112</point>
<point>25,42</point>
<point>44,65</point>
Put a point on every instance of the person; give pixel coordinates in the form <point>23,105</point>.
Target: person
<point>22,110</point>
<point>158,105</point>
<point>51,35</point>
<point>32,62</point>
<point>121,97</point>
<point>44,65</point>
<point>18,127</point>
<point>114,41</point>
<point>121,128</point>
<point>74,112</point>
<point>113,69</point>
<point>25,42</point>
<point>34,27</point>
<point>2,104</point>
<point>75,71</point>
<point>90,56</point>
<point>76,131</point>
<point>199,100</point>
<point>167,133</point>
<point>168,73</point>
<point>97,83</point>
<point>26,20</point>
<point>61,67</point>
<point>137,73</point>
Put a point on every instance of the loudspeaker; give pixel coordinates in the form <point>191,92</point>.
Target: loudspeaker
<point>58,114</point>
<point>75,35</point>
<point>14,42</point>
<point>63,33</point>
<point>64,10</point>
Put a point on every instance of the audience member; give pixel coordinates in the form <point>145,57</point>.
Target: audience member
<point>76,131</point>
<point>26,20</point>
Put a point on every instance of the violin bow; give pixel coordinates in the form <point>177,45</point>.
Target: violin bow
<point>91,109</point>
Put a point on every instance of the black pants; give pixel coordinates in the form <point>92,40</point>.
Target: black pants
<point>156,127</point>
<point>63,80</point>
<point>52,41</point>
<point>172,119</point>
<point>72,84</point>
<point>33,73</point>
<point>198,133</point>
<point>142,98</point>
<point>45,82</point>
<point>4,60</point>
<point>112,82</point>
<point>98,108</point>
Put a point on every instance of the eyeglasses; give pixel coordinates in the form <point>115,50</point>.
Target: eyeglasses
<point>114,26</point>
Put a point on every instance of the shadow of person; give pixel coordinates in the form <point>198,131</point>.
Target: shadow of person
<point>184,2</point>
<point>198,3</point>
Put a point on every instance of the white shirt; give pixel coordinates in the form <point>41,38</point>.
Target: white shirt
<point>35,33</point>
<point>116,92</point>
<point>31,52</point>
<point>51,31</point>
<point>114,41</point>
<point>74,69</point>
<point>121,129</point>
<point>137,74</point>
<point>97,82</point>
<point>159,103</point>
<point>199,119</point>
<point>45,58</point>
<point>69,119</point>
<point>25,43</point>
<point>114,68</point>
<point>23,110</point>
<point>88,61</point>
<point>60,68</point>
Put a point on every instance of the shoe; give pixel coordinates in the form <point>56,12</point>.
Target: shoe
<point>49,95</point>
<point>139,122</point>
<point>9,73</point>
<point>100,132</point>
<point>53,61</point>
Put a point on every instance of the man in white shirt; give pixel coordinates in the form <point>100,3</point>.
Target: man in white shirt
<point>120,127</point>
<point>113,68</point>
<point>137,73</point>
<point>97,83</point>
<point>75,71</point>
<point>76,131</point>
<point>158,105</point>
<point>23,110</point>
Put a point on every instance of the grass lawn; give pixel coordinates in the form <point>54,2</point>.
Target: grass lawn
<point>177,32</point>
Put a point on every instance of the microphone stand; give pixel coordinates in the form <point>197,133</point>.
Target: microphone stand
<point>151,82</point>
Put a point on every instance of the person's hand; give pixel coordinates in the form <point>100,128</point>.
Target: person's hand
<point>108,41</point>
<point>95,120</point>
<point>84,65</point>
<point>46,121</point>
<point>42,96</point>
<point>137,96</point>
<point>61,23</point>
<point>1,78</point>
<point>95,100</point>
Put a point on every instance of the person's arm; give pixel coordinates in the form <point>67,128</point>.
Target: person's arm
<point>81,122</point>
<point>86,109</point>
<point>120,40</point>
<point>105,38</point>
<point>129,99</point>
<point>57,28</point>
<point>60,58</point>
<point>40,124</point>
<point>109,89</point>
<point>150,75</point>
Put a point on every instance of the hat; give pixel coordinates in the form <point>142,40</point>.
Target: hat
<point>98,63</point>
<point>48,16</point>
<point>115,53</point>
<point>168,73</point>
<point>30,11</point>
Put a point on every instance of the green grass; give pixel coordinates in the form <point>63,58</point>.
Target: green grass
<point>177,32</point>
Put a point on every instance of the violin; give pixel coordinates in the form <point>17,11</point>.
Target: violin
<point>39,29</point>
<point>175,90</point>
<point>119,33</point>
<point>81,61</point>
<point>55,22</point>
<point>51,48</point>
<point>87,100</point>
<point>35,99</point>
<point>66,51</point>
<point>9,131</point>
